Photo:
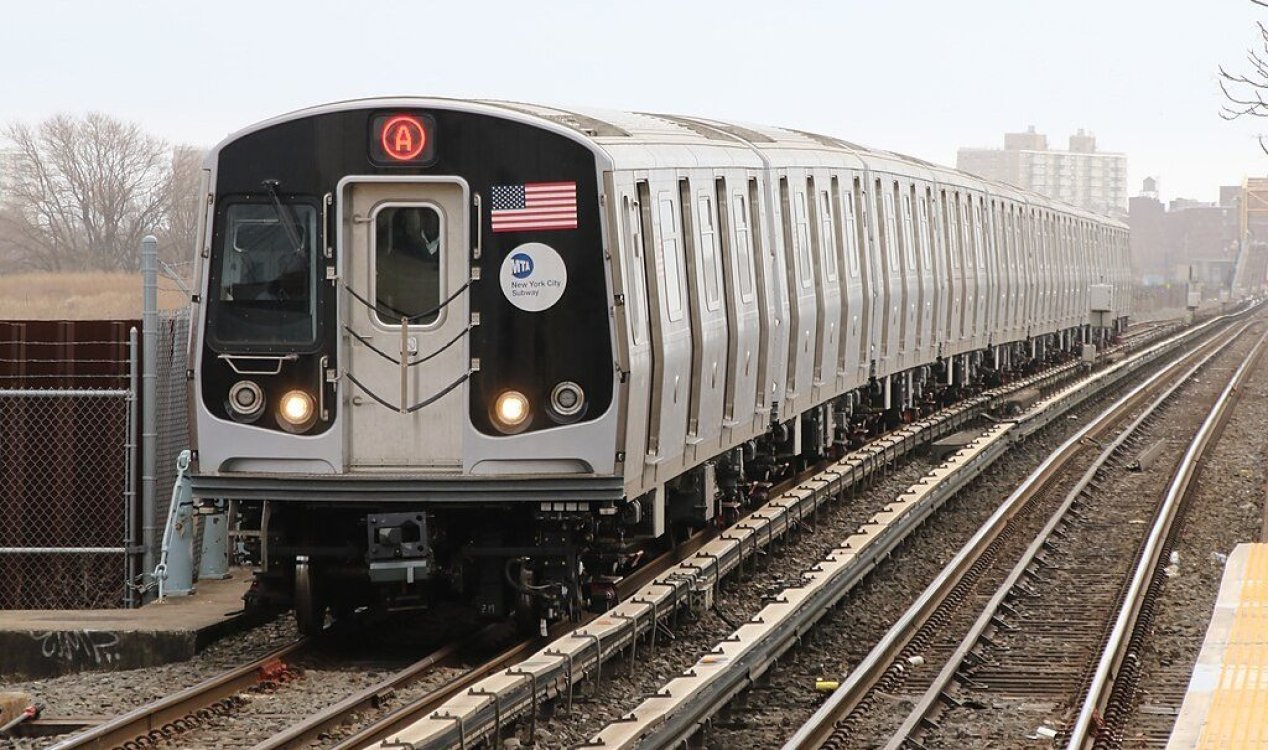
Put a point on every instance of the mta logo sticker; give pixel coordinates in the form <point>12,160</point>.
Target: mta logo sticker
<point>533,277</point>
<point>521,265</point>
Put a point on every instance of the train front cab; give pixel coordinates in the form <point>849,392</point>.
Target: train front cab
<point>400,379</point>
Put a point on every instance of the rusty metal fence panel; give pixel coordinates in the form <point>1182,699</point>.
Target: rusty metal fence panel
<point>70,409</point>
<point>67,451</point>
<point>64,495</point>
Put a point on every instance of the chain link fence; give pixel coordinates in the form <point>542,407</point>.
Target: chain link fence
<point>67,447</point>
<point>63,498</point>
<point>172,405</point>
<point>70,416</point>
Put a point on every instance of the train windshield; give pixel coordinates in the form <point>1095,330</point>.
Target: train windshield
<point>265,290</point>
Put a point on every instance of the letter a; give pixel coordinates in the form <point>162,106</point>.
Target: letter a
<point>404,140</point>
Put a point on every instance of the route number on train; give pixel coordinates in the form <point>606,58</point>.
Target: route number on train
<point>402,139</point>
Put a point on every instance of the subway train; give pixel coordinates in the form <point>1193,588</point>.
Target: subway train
<point>495,353</point>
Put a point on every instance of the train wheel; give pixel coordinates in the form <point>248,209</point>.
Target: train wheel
<point>310,613</point>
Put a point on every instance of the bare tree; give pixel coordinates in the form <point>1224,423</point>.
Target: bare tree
<point>1245,92</point>
<point>182,208</point>
<point>84,194</point>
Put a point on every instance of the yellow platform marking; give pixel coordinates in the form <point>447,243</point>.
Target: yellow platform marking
<point>1238,715</point>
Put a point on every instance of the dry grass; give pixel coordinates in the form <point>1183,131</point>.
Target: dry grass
<point>90,295</point>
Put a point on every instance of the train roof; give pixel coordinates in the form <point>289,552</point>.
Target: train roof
<point>642,140</point>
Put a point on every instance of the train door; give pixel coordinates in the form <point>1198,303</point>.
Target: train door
<point>925,240</point>
<point>406,264</point>
<point>941,274</point>
<point>1073,289</point>
<point>911,276</point>
<point>828,281</point>
<point>853,331</point>
<point>953,217</point>
<point>1027,220</point>
<point>990,209</point>
<point>1047,272</point>
<point>1021,259</point>
<point>1086,272</point>
<point>708,318</point>
<point>974,286</point>
<point>772,298</point>
<point>671,332</point>
<point>633,319</point>
<point>743,320</point>
<point>795,224</point>
<point>891,277</point>
<point>1043,272</point>
<point>873,314</point>
<point>1060,269</point>
<point>1008,274</point>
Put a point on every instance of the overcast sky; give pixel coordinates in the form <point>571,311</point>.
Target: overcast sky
<point>921,77</point>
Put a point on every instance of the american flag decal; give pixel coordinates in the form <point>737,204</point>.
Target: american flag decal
<point>534,205</point>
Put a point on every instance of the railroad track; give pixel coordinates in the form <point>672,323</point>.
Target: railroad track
<point>158,722</point>
<point>1108,700</point>
<point>1031,614</point>
<point>390,723</point>
<point>452,657</point>
<point>686,703</point>
<point>165,720</point>
<point>486,709</point>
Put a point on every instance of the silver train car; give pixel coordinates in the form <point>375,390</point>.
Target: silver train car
<point>492,352</point>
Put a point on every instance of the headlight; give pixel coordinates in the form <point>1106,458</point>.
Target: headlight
<point>246,401</point>
<point>296,412</point>
<point>567,399</point>
<point>511,411</point>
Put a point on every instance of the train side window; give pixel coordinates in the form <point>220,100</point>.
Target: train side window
<point>1019,241</point>
<point>966,234</point>
<point>408,258</point>
<point>709,249</point>
<point>635,294</point>
<point>803,241</point>
<point>827,235</point>
<point>909,248</point>
<point>1007,250</point>
<point>1001,244</point>
<point>669,255</point>
<point>953,235</point>
<point>977,235</point>
<point>891,232</point>
<point>926,237</point>
<point>743,246</point>
<point>755,223</point>
<point>852,229</point>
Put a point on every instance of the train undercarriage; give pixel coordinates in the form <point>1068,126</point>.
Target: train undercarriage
<point>543,562</point>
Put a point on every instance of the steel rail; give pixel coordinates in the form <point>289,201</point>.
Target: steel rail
<point>391,723</point>
<point>161,719</point>
<point>859,683</point>
<point>158,721</point>
<point>302,734</point>
<point>582,651</point>
<point>166,716</point>
<point>677,709</point>
<point>1177,494</point>
<point>932,698</point>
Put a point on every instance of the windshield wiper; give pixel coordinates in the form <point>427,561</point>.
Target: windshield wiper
<point>284,215</point>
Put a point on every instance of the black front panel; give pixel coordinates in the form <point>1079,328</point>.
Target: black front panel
<point>528,351</point>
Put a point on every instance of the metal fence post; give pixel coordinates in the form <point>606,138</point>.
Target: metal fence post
<point>149,413</point>
<point>133,568</point>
